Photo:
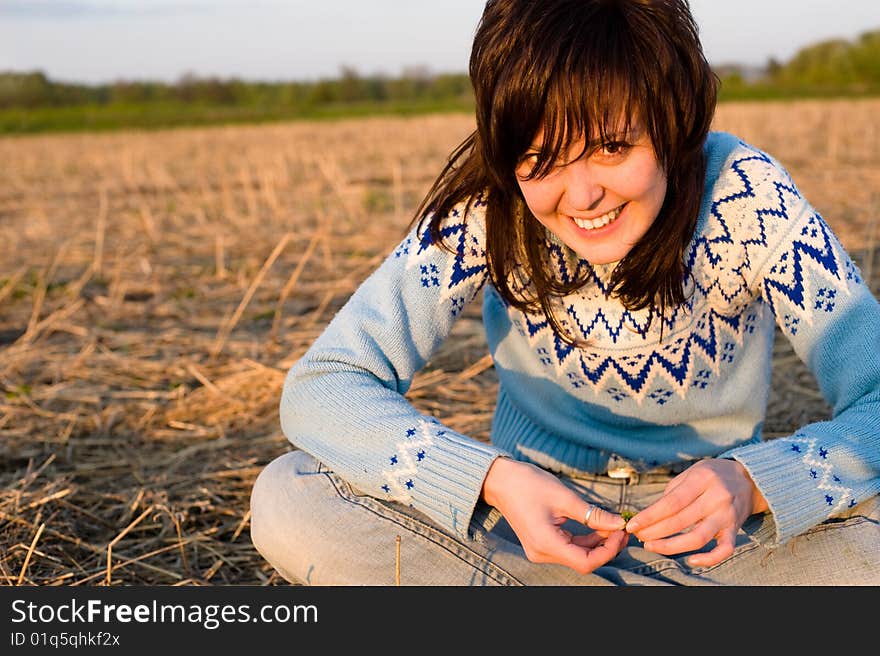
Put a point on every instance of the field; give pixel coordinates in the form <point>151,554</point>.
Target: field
<point>156,286</point>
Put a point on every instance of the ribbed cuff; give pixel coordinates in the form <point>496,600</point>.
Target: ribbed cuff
<point>452,480</point>
<point>786,484</point>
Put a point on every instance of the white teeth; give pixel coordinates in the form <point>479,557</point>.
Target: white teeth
<point>600,222</point>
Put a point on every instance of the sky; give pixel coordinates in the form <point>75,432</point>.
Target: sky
<point>95,41</point>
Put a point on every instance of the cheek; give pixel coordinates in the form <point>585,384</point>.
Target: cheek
<point>640,183</point>
<point>659,192</point>
<point>652,184</point>
<point>540,196</point>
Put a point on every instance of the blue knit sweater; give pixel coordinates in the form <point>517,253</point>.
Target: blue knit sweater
<point>760,255</point>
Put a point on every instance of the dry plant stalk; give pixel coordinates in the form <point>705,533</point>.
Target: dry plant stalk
<point>115,540</point>
<point>30,552</point>
<point>397,561</point>
<point>223,334</point>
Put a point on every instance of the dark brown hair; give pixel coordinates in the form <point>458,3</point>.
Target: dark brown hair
<point>576,68</point>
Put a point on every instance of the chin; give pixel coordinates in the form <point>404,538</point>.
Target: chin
<point>599,258</point>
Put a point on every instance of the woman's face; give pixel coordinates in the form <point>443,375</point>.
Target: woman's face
<point>600,204</point>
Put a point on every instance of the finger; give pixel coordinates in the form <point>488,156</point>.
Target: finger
<point>590,540</point>
<point>676,523</point>
<point>671,503</point>
<point>597,518</point>
<point>594,539</point>
<point>604,534</point>
<point>607,550</point>
<point>723,549</point>
<point>696,538</point>
<point>584,559</point>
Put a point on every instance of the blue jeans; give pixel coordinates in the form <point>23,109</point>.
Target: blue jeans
<point>315,529</point>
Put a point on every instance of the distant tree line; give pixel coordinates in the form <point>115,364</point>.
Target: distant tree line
<point>36,90</point>
<point>833,67</point>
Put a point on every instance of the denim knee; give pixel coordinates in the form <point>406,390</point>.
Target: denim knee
<point>273,500</point>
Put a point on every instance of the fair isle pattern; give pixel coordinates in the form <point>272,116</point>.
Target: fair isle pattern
<point>656,372</point>
<point>402,470</point>
<point>625,359</point>
<point>759,210</point>
<point>458,279</point>
<point>835,495</point>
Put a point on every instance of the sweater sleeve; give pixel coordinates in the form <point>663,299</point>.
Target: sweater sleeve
<point>797,266</point>
<point>344,402</point>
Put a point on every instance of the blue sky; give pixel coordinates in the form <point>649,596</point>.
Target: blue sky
<point>104,40</point>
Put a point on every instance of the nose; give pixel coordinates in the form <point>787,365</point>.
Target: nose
<point>583,190</point>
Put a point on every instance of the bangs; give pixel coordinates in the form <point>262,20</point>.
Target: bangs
<point>592,107</point>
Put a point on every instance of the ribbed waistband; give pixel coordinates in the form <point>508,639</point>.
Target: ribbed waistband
<point>518,435</point>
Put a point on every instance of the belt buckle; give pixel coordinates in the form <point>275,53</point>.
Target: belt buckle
<point>623,472</point>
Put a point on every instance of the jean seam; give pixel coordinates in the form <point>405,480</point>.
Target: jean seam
<point>417,527</point>
<point>834,523</point>
<point>648,570</point>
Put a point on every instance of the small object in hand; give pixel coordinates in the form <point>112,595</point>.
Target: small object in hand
<point>627,515</point>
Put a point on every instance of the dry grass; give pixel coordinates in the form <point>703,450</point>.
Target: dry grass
<point>155,287</point>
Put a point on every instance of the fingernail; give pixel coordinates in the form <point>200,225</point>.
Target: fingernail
<point>632,527</point>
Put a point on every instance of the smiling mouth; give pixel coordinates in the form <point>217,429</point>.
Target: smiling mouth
<point>599,222</point>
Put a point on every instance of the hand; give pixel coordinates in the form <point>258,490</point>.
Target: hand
<point>710,499</point>
<point>536,505</point>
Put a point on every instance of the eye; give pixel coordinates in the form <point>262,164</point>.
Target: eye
<point>614,148</point>
<point>529,159</point>
<point>527,165</point>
